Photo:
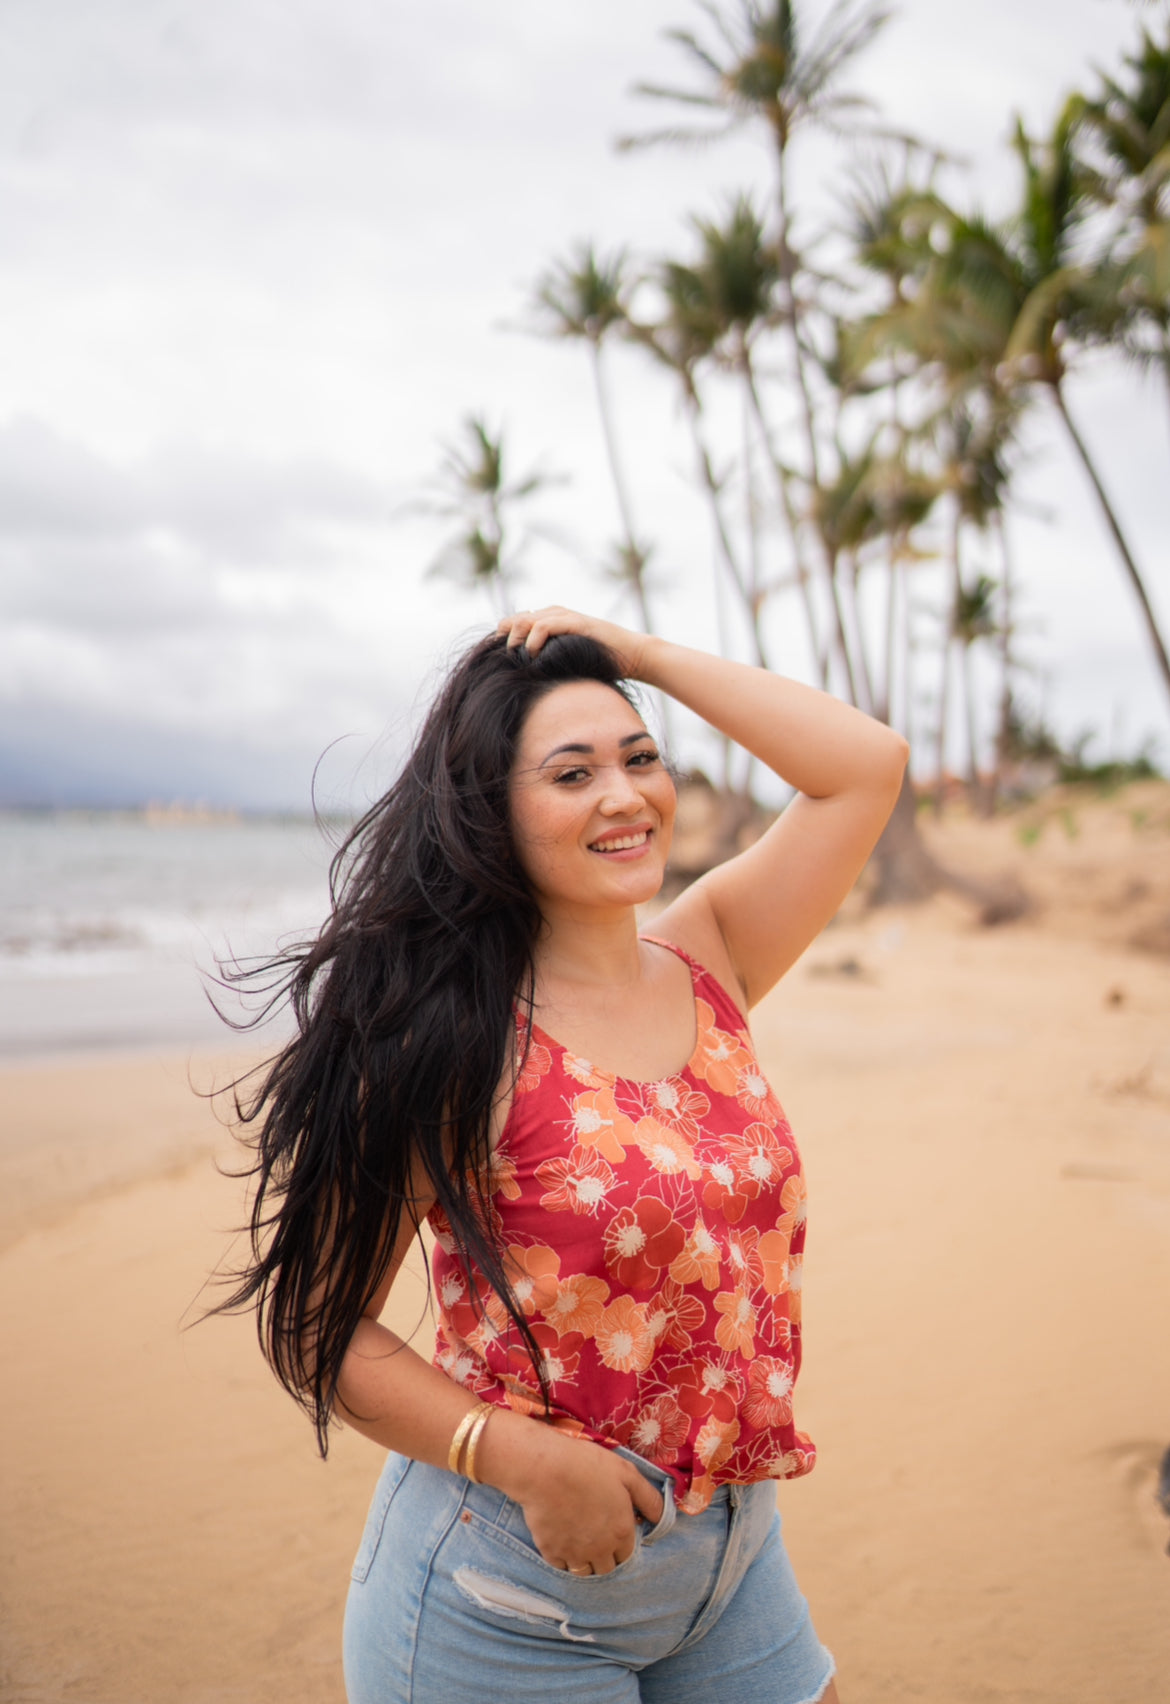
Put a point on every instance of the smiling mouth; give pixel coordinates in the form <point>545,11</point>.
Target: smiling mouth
<point>621,843</point>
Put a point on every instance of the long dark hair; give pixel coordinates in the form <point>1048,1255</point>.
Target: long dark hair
<point>405,1022</point>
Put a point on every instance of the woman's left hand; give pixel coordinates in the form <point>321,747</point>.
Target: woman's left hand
<point>531,627</point>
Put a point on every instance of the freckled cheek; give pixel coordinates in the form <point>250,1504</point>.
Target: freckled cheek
<point>544,837</point>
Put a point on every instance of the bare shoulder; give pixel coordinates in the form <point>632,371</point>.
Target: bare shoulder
<point>690,922</point>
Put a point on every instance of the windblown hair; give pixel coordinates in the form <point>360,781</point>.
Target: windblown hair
<point>405,1023</point>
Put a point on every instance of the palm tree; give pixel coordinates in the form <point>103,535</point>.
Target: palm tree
<point>972,619</point>
<point>683,337</point>
<point>1059,293</point>
<point>1124,137</point>
<point>587,297</point>
<point>737,272</point>
<point>1002,309</point>
<point>471,487</point>
<point>757,67</point>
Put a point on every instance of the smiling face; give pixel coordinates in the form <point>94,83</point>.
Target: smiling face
<point>592,802</point>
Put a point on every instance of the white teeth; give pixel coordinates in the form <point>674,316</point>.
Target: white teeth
<point>623,845</point>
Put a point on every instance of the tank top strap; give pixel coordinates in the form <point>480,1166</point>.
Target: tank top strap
<point>706,983</point>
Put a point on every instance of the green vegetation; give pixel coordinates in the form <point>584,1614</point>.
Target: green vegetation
<point>881,370</point>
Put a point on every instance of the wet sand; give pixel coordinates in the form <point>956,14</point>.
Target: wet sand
<point>985,1117</point>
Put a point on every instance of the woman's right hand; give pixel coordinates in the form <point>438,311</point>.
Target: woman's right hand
<point>580,1500</point>
<point>531,627</point>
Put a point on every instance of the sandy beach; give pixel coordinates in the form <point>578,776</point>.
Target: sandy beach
<point>985,1118</point>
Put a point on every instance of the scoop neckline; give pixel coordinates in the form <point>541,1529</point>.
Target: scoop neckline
<point>539,1033</point>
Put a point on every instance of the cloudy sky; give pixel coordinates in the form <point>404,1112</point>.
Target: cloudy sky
<point>259,257</point>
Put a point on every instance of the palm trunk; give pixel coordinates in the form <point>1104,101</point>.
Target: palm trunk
<point>1114,525</point>
<point>865,673</point>
<point>885,709</point>
<point>722,537</point>
<point>944,691</point>
<point>1007,581</point>
<point>625,512</point>
<point>790,314</point>
<point>973,782</point>
<point>788,509</point>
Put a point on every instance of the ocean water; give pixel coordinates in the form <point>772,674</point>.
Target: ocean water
<point>111,924</point>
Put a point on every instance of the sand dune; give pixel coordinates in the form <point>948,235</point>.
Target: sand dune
<point>986,1122</point>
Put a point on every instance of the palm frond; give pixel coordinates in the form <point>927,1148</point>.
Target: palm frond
<point>690,43</point>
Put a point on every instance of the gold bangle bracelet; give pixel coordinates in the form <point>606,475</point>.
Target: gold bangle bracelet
<point>473,1438</point>
<point>461,1431</point>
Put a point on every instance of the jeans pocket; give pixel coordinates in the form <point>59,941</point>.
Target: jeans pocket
<point>510,1533</point>
<point>391,1478</point>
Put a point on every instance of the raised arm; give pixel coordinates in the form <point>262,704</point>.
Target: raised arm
<point>752,917</point>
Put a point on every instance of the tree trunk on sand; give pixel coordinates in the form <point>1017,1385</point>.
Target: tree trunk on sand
<point>906,871</point>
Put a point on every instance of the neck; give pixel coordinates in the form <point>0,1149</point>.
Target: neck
<point>589,949</point>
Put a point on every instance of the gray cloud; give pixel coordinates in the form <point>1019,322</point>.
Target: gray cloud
<point>253,255</point>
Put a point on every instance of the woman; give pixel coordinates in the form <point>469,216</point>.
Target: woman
<point>578,1500</point>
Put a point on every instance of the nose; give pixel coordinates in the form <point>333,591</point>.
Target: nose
<point>622,792</point>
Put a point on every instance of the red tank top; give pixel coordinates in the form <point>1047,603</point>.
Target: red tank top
<point>654,1236</point>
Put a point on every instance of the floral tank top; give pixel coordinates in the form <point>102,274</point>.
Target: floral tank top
<point>654,1236</point>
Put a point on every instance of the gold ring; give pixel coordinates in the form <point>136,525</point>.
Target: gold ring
<point>587,1569</point>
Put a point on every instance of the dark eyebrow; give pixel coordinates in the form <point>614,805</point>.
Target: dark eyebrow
<point>588,750</point>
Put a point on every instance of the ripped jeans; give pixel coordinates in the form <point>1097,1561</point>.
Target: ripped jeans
<point>451,1603</point>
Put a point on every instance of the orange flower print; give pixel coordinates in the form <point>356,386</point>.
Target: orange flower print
<point>623,1336</point>
<point>719,1057</point>
<point>659,1430</point>
<point>722,1193</point>
<point>578,1304</point>
<point>463,1318</point>
<point>577,1184</point>
<point>764,1458</point>
<point>795,1284</point>
<point>736,1331</point>
<point>781,1332</point>
<point>440,1227</point>
<point>522,1398</point>
<point>667,1150</point>
<point>757,1157</point>
<point>640,1241</point>
<point>678,1107</point>
<point>743,1257</point>
<point>674,1315</point>
<point>700,1259</point>
<point>484,1334</point>
<point>715,1442</point>
<point>702,1489</point>
<point>598,1124</point>
<point>769,1393</point>
<point>500,1176</point>
<point>773,1251</point>
<point>582,1071</point>
<point>532,1060</point>
<point>705,1387</point>
<point>754,1093</point>
<point>461,1365</point>
<point>532,1273</point>
<point>560,1355</point>
<point>794,1199</point>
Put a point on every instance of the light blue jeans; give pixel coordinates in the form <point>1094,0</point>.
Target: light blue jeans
<point>451,1603</point>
